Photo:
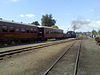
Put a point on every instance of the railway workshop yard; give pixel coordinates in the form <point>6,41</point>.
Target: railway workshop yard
<point>81,57</point>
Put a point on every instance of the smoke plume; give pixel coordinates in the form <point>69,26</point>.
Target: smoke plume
<point>77,24</point>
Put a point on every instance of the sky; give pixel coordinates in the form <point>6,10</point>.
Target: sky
<point>85,14</point>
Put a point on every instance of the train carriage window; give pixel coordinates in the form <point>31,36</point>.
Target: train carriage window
<point>31,30</point>
<point>49,31</point>
<point>4,29</point>
<point>11,29</point>
<point>46,31</point>
<point>27,30</point>
<point>23,30</point>
<point>35,30</point>
<point>54,31</point>
<point>17,30</point>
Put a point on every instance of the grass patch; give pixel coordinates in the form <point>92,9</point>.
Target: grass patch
<point>51,39</point>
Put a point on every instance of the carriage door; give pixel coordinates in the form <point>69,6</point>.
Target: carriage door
<point>41,32</point>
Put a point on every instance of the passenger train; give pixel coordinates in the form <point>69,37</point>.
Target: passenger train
<point>20,32</point>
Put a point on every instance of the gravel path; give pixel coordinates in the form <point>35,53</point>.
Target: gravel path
<point>32,62</point>
<point>89,58</point>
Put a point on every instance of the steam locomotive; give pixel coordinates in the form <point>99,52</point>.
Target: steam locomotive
<point>71,34</point>
<point>20,32</point>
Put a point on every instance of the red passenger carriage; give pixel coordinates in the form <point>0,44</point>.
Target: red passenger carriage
<point>50,33</point>
<point>11,31</point>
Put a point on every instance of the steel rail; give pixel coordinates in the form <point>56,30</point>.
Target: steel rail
<point>77,59</point>
<point>10,52</point>
<point>50,68</point>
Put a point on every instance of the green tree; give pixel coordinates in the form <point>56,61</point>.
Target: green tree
<point>35,23</point>
<point>54,26</point>
<point>47,20</point>
<point>94,33</point>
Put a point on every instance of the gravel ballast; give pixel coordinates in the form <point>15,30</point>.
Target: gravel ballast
<point>66,65</point>
<point>89,62</point>
<point>32,62</point>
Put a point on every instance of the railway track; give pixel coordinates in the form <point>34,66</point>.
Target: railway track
<point>77,59</point>
<point>61,56</point>
<point>15,51</point>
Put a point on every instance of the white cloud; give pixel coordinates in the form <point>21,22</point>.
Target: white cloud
<point>98,22</point>
<point>27,15</point>
<point>96,25</point>
<point>93,25</point>
<point>86,25</point>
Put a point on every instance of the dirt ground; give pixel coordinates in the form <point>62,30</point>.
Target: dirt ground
<point>89,58</point>
<point>30,45</point>
<point>38,61</point>
<point>66,65</point>
<point>32,62</point>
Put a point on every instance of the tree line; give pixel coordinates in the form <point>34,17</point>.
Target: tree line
<point>46,20</point>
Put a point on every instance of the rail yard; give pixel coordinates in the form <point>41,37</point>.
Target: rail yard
<point>62,57</point>
<point>50,37</point>
<point>26,49</point>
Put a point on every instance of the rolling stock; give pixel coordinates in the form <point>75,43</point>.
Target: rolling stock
<point>71,34</point>
<point>19,32</point>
